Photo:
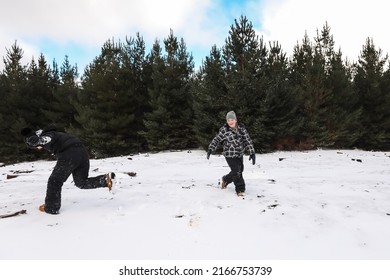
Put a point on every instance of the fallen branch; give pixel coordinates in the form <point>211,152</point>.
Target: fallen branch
<point>18,172</point>
<point>13,214</point>
<point>131,174</point>
<point>23,171</point>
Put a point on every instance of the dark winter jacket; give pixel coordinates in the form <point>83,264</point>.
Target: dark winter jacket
<point>235,141</point>
<point>51,140</point>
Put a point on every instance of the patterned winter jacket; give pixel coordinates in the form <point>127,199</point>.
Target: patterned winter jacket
<point>235,141</point>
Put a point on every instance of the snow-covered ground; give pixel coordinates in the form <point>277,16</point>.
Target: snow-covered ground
<point>315,205</point>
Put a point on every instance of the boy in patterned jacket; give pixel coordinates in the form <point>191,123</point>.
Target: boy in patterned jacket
<point>236,141</point>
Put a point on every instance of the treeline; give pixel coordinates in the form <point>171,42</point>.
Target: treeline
<point>129,100</point>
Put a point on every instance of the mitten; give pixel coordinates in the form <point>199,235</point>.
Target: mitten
<point>253,158</point>
<point>208,154</point>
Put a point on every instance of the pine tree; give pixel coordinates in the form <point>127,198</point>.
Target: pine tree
<point>169,124</point>
<point>385,87</point>
<point>64,91</point>
<point>280,123</point>
<point>210,95</point>
<point>309,66</point>
<point>14,79</point>
<point>25,94</point>
<point>37,93</point>
<point>136,77</point>
<point>368,83</point>
<point>341,117</point>
<point>103,106</point>
<point>245,57</point>
<point>154,119</point>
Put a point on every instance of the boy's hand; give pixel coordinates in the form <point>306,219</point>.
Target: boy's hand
<point>253,158</point>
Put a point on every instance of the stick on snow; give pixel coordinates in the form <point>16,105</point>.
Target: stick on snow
<point>13,214</point>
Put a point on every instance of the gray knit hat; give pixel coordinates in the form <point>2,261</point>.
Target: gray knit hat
<point>231,115</point>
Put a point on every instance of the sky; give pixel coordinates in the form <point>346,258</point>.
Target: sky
<point>79,28</point>
<point>314,205</point>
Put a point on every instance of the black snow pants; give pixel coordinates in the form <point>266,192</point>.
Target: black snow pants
<point>236,165</point>
<point>74,160</point>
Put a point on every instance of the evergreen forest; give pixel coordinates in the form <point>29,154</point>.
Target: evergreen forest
<point>130,99</point>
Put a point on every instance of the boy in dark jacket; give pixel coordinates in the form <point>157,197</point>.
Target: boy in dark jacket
<point>72,158</point>
<point>235,141</point>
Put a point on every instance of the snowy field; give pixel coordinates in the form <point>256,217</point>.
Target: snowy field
<point>316,205</point>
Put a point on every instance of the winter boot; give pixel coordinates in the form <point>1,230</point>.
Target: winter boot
<point>223,183</point>
<point>110,180</point>
<point>42,208</point>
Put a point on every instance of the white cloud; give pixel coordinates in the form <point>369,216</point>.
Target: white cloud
<point>202,23</point>
<point>91,23</point>
<point>351,23</point>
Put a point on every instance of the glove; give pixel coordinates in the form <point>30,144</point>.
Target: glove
<point>208,154</point>
<point>253,158</point>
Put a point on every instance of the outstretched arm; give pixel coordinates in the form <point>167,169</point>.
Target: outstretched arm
<point>248,143</point>
<point>217,140</point>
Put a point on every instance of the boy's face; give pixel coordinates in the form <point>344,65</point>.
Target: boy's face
<point>232,123</point>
